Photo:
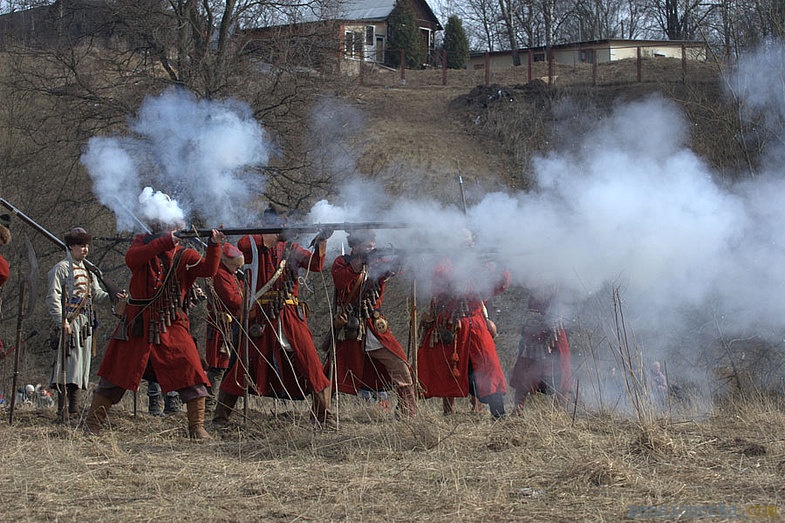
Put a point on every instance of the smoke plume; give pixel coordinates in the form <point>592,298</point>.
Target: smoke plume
<point>206,155</point>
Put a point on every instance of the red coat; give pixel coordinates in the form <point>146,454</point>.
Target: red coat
<point>228,298</point>
<point>4,271</point>
<point>443,366</point>
<point>175,360</point>
<point>354,368</point>
<point>278,372</point>
<point>530,369</point>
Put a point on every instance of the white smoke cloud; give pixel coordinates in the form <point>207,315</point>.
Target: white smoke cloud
<point>205,154</point>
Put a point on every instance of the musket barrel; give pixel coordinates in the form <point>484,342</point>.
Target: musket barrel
<point>112,289</point>
<point>292,229</point>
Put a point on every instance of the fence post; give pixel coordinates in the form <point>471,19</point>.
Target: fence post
<point>683,64</point>
<point>594,67</point>
<point>487,58</point>
<point>638,64</point>
<point>362,66</point>
<point>403,67</point>
<point>529,54</point>
<point>444,66</point>
<point>549,57</point>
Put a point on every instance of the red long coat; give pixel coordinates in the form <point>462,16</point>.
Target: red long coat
<point>175,360</point>
<point>530,371</point>
<point>443,369</point>
<point>354,368</point>
<point>275,371</point>
<point>228,299</point>
<point>4,271</point>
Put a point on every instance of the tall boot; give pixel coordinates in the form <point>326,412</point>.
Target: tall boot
<point>172,403</point>
<point>223,409</point>
<point>495,405</point>
<point>97,414</point>
<point>407,402</point>
<point>448,405</point>
<point>214,375</point>
<point>321,415</point>
<point>73,398</point>
<point>195,410</point>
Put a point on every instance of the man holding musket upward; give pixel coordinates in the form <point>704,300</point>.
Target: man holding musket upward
<point>71,285</point>
<point>367,355</point>
<point>281,358</point>
<point>153,338</point>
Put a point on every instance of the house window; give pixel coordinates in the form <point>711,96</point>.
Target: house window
<point>353,45</point>
<point>587,56</point>
<point>370,33</point>
<point>539,57</point>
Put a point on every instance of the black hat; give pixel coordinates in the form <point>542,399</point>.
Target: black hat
<point>273,218</point>
<point>5,223</point>
<point>77,236</point>
<point>359,236</point>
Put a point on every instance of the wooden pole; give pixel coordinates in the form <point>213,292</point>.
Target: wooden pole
<point>15,380</point>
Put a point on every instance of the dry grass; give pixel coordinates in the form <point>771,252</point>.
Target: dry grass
<point>542,466</point>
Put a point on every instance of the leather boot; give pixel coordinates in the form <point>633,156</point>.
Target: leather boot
<point>73,398</point>
<point>213,376</point>
<point>448,405</point>
<point>223,409</point>
<point>172,403</point>
<point>407,402</point>
<point>195,410</point>
<point>321,415</point>
<point>96,416</point>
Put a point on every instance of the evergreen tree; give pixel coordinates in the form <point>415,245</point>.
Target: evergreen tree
<point>456,43</point>
<point>403,33</point>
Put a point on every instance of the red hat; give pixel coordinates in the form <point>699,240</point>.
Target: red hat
<point>231,252</point>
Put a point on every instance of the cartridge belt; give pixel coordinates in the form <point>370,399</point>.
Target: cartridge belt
<point>292,300</point>
<point>140,302</point>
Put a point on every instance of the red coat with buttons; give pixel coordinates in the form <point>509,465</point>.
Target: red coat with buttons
<point>175,360</point>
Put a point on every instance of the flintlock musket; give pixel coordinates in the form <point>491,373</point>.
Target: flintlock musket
<point>292,229</point>
<point>111,289</point>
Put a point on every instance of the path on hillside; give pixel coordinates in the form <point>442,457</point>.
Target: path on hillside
<point>417,145</point>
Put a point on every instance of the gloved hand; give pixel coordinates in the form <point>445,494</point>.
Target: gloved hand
<point>323,235</point>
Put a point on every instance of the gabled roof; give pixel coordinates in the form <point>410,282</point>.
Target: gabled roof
<point>351,10</point>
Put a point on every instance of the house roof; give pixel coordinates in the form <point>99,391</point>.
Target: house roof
<point>350,10</point>
<point>367,9</point>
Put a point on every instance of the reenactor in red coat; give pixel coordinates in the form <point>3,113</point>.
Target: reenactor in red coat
<point>282,361</point>
<point>543,363</point>
<point>457,356</point>
<point>224,316</point>
<point>367,355</point>
<point>153,339</point>
<point>5,239</point>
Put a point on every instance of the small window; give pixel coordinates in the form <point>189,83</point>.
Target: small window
<point>353,44</point>
<point>370,33</point>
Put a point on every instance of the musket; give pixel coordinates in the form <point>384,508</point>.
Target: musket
<point>293,229</point>
<point>111,289</point>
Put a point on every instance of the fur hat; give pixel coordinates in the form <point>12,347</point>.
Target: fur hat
<point>360,236</point>
<point>5,233</point>
<point>272,217</point>
<point>77,236</point>
<point>230,251</point>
